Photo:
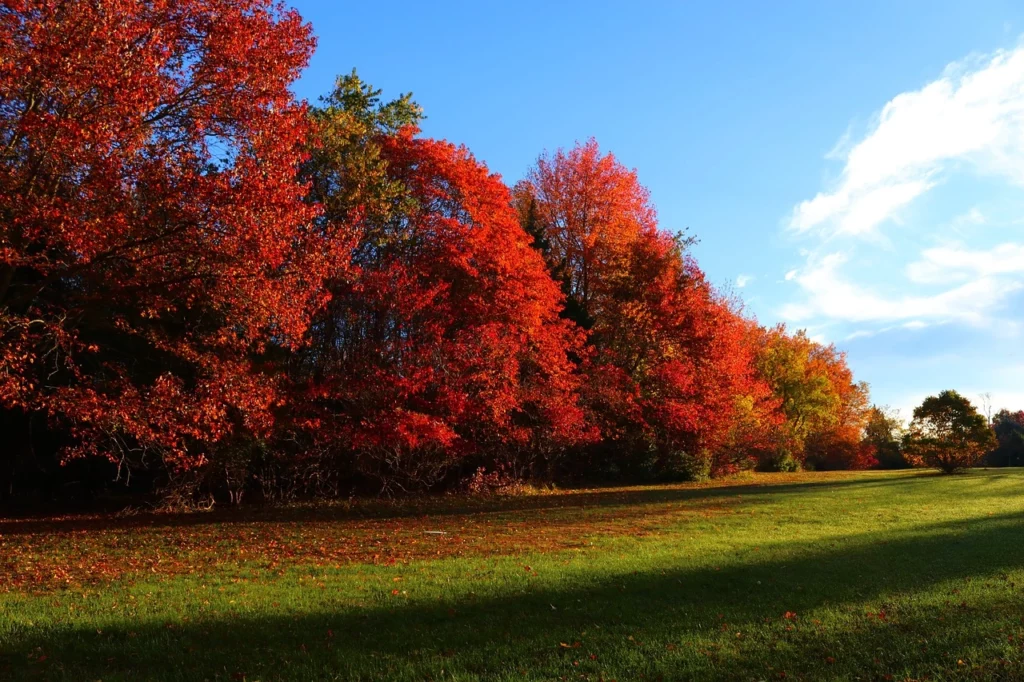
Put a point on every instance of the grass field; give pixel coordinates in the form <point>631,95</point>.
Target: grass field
<point>788,576</point>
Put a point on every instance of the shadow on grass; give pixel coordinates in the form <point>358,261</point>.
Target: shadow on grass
<point>701,623</point>
<point>455,506</point>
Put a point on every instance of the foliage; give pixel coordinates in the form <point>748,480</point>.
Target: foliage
<point>222,293</point>
<point>150,219</point>
<point>587,213</point>
<point>824,411</point>
<point>666,351</point>
<point>884,433</point>
<point>947,433</point>
<point>442,338</point>
<point>1009,430</point>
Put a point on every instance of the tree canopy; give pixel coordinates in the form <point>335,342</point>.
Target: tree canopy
<point>212,283</point>
<point>948,433</point>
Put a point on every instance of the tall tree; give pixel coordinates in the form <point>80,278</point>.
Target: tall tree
<point>667,357</point>
<point>757,433</point>
<point>442,339</point>
<point>151,224</point>
<point>592,209</point>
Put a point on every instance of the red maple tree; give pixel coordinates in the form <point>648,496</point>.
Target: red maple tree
<point>442,338</point>
<point>668,352</point>
<point>149,245</point>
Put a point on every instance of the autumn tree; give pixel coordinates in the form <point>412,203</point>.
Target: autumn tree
<point>590,210</point>
<point>839,443</point>
<point>757,432</point>
<point>805,396</point>
<point>442,341</point>
<point>948,433</point>
<point>682,345</point>
<point>666,359</point>
<point>151,224</point>
<point>824,410</point>
<point>200,274</point>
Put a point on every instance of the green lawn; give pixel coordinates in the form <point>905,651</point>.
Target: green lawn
<point>803,576</point>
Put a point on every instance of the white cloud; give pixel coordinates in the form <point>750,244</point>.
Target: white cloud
<point>831,295</point>
<point>973,114</point>
<point>842,147</point>
<point>868,333</point>
<point>972,217</point>
<point>957,263</point>
<point>970,121</point>
<point>744,280</point>
<point>858,212</point>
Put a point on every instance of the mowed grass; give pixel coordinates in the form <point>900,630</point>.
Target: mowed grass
<point>865,576</point>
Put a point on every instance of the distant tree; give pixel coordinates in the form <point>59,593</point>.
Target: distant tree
<point>884,432</point>
<point>986,405</point>
<point>786,361</point>
<point>823,409</point>
<point>948,433</point>
<point>840,444</point>
<point>1009,430</point>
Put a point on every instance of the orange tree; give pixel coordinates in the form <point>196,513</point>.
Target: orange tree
<point>823,410</point>
<point>883,433</point>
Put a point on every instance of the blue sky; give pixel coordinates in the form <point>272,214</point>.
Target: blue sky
<point>855,169</point>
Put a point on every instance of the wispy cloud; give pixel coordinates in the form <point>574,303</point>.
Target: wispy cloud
<point>744,280</point>
<point>964,131</point>
<point>972,217</point>
<point>832,295</point>
<point>958,263</point>
<point>868,333</point>
<point>973,114</point>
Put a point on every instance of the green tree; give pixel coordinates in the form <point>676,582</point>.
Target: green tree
<point>948,433</point>
<point>346,170</point>
<point>1009,430</point>
<point>884,432</point>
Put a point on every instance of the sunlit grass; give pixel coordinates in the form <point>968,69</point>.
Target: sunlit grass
<point>841,576</point>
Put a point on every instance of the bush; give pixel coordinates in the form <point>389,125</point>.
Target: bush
<point>697,467</point>
<point>782,461</point>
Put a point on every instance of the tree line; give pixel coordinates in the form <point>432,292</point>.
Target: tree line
<point>210,289</point>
